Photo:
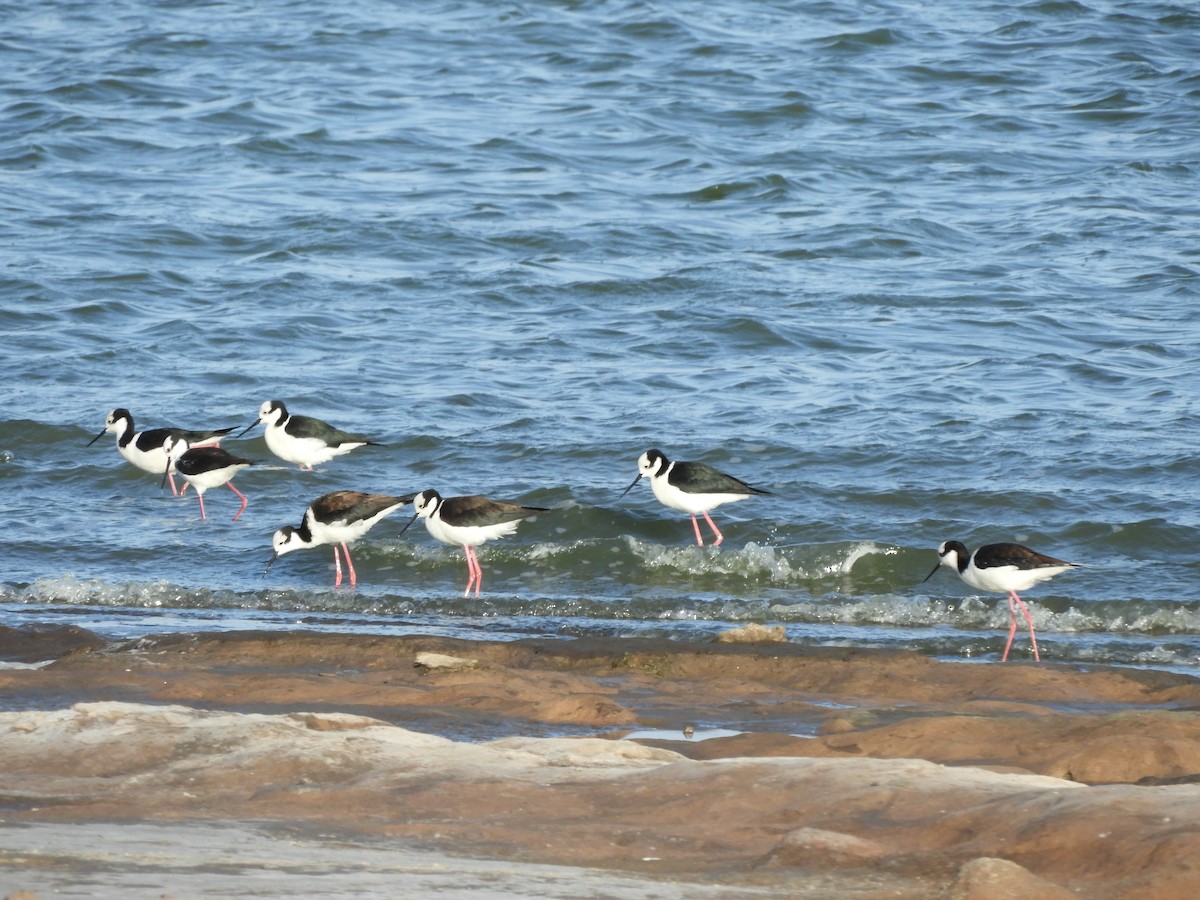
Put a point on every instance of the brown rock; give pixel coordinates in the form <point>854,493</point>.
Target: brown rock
<point>38,643</point>
<point>863,773</point>
<point>1122,747</point>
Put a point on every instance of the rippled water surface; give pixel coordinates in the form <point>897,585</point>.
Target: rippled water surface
<point>922,272</point>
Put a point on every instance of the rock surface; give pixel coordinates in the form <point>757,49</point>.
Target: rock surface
<point>833,773</point>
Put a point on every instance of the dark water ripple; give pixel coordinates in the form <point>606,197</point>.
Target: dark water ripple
<point>923,273</point>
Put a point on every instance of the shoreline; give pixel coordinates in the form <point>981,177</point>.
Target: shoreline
<point>793,766</point>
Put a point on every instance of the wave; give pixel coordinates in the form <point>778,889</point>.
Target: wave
<point>432,583</point>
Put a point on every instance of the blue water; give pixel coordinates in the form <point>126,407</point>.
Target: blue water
<point>924,271</point>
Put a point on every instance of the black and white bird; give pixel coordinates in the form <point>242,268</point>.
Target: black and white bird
<point>204,468</point>
<point>469,522</point>
<point>144,449</point>
<point>336,518</point>
<point>691,487</point>
<point>1002,569</point>
<point>303,440</point>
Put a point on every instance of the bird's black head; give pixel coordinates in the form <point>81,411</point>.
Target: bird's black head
<point>425,504</point>
<point>652,462</point>
<point>952,554</point>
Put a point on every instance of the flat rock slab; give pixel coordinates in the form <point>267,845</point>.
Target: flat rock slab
<point>914,778</point>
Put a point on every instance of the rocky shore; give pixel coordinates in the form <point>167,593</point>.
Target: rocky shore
<point>744,768</point>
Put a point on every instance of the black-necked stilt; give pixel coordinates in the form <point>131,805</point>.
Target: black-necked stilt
<point>691,487</point>
<point>144,449</point>
<point>469,522</point>
<point>1003,569</point>
<point>336,518</point>
<point>303,440</point>
<point>204,468</point>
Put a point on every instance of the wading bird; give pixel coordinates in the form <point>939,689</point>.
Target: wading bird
<point>1003,569</point>
<point>336,518</point>
<point>469,522</point>
<point>691,487</point>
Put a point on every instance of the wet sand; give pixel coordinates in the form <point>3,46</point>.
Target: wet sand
<point>730,769</point>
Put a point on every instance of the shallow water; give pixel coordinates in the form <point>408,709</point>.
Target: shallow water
<point>922,274</point>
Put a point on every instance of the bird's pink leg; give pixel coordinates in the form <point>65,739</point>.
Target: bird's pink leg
<point>349,564</point>
<point>337,568</point>
<point>1029,620</point>
<point>474,572</point>
<point>171,479</point>
<point>1012,627</point>
<point>478,571</point>
<point>696,525</point>
<point>229,484</point>
<point>716,531</point>
<point>200,497</point>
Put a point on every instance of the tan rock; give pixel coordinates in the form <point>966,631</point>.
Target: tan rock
<point>987,878</point>
<point>445,662</point>
<point>752,633</point>
<point>817,847</point>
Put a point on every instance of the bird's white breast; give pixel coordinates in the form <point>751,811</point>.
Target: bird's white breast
<point>1002,579</point>
<point>673,497</point>
<point>468,535</point>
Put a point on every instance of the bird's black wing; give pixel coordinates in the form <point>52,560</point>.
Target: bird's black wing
<point>702,478</point>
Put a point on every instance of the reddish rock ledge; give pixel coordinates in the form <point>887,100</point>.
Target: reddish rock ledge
<point>769,769</point>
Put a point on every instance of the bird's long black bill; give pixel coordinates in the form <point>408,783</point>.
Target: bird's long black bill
<point>405,528</point>
<point>934,572</point>
<point>270,562</point>
<point>166,472</point>
<point>630,488</point>
<point>247,428</point>
<point>97,437</point>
